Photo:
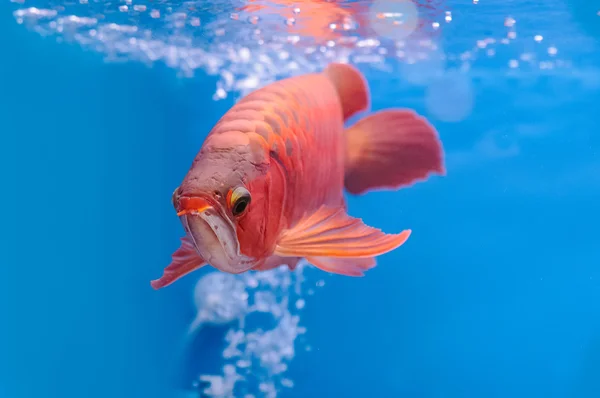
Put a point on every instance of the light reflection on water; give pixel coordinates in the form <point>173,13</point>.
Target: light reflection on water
<point>251,43</point>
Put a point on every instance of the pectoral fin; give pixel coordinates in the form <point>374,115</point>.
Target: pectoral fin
<point>184,260</point>
<point>330,232</point>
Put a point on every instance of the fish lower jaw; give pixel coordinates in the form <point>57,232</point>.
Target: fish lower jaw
<point>235,266</point>
<point>216,242</point>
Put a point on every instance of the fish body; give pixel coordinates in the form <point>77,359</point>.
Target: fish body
<point>267,187</point>
<point>315,18</point>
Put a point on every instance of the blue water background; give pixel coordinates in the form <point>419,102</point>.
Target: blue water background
<point>496,294</point>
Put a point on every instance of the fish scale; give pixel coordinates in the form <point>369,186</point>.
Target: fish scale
<point>314,130</point>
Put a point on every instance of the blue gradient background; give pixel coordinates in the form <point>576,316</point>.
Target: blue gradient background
<point>497,294</point>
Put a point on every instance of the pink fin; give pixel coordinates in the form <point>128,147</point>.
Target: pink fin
<point>184,260</point>
<point>391,149</point>
<point>343,266</point>
<point>351,87</point>
<point>330,232</point>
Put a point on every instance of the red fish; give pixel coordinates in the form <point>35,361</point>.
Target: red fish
<point>324,20</point>
<point>267,187</point>
<point>315,17</point>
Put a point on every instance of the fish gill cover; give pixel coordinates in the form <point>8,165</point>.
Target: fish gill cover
<point>248,44</point>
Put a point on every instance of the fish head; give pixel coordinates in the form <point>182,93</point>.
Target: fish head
<point>224,201</point>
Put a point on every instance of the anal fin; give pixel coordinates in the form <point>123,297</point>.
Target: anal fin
<point>184,260</point>
<point>343,266</point>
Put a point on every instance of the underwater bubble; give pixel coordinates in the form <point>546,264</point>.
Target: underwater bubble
<point>34,12</point>
<point>527,57</point>
<point>450,97</point>
<point>310,37</point>
<point>264,301</point>
<point>266,346</point>
<point>394,19</point>
<point>219,298</point>
<point>229,370</point>
<point>268,389</point>
<point>219,386</point>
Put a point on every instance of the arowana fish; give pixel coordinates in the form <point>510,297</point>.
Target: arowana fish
<point>267,187</point>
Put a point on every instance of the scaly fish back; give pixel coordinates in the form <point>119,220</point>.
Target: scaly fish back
<point>300,122</point>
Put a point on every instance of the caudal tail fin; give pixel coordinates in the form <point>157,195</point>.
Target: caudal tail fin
<point>351,87</point>
<point>391,149</point>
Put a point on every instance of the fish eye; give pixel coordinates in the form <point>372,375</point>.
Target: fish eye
<point>239,200</point>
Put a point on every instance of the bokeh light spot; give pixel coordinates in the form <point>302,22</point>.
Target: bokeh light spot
<point>396,19</point>
<point>449,98</point>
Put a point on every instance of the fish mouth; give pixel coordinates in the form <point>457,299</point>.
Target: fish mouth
<point>213,235</point>
<point>191,205</point>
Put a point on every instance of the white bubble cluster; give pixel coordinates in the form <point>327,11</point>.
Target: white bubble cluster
<point>258,352</point>
<point>250,44</point>
<point>247,46</point>
<point>219,298</point>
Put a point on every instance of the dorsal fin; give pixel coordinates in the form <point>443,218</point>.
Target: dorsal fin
<point>351,87</point>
